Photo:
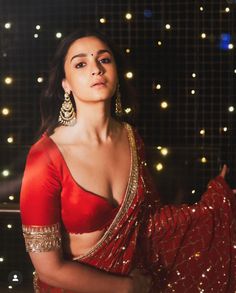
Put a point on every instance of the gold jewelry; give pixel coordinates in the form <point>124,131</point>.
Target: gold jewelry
<point>118,110</point>
<point>67,113</point>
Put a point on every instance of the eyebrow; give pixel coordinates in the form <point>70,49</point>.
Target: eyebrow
<point>85,55</point>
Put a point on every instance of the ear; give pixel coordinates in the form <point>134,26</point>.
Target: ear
<point>65,85</point>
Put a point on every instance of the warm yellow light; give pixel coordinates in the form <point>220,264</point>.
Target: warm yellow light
<point>203,35</point>
<point>159,43</point>
<point>194,75</point>
<point>203,160</point>
<point>158,86</point>
<point>159,167</point>
<point>193,191</point>
<point>11,197</point>
<point>225,129</point>
<point>129,74</point>
<point>164,151</point>
<point>202,132</point>
<point>127,50</point>
<point>164,105</point>
<point>128,110</point>
<point>192,92</point>
<point>1,259</point>
<point>231,109</point>
<point>234,70</point>
<point>5,111</point>
<point>36,36</point>
<point>58,35</point>
<point>10,139</point>
<point>168,26</point>
<point>5,173</point>
<point>8,80</point>
<point>40,79</point>
<point>201,8</point>
<point>102,20</point>
<point>227,9</point>
<point>159,147</point>
<point>38,27</point>
<point>128,16</point>
<point>9,226</point>
<point>230,46</point>
<point>7,25</point>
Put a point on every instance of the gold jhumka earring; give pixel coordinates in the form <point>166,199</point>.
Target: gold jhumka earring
<point>118,110</point>
<point>67,115</point>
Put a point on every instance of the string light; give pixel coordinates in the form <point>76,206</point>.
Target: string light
<point>168,26</point>
<point>128,16</point>
<point>203,35</point>
<point>9,226</point>
<point>231,109</point>
<point>58,35</point>
<point>1,259</point>
<point>204,160</point>
<point>194,75</point>
<point>227,9</point>
<point>159,147</point>
<point>38,27</point>
<point>235,71</point>
<point>7,25</point>
<point>5,111</point>
<point>11,197</point>
<point>159,43</point>
<point>202,132</point>
<point>40,79</point>
<point>129,75</point>
<point>5,173</point>
<point>128,110</point>
<point>10,287</point>
<point>36,36</point>
<point>201,8</point>
<point>193,92</point>
<point>127,50</point>
<point>158,86</point>
<point>159,167</point>
<point>193,191</point>
<point>10,139</point>
<point>8,80</point>
<point>164,151</point>
<point>225,129</point>
<point>230,46</point>
<point>102,20</point>
<point>164,105</point>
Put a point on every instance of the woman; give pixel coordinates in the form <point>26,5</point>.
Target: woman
<point>90,217</point>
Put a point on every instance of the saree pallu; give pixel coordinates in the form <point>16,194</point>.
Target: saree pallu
<point>184,248</point>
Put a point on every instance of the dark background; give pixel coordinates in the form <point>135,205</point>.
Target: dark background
<point>24,57</point>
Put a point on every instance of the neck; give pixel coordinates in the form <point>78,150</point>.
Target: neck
<point>94,123</point>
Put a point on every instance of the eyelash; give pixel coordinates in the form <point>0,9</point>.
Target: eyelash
<point>108,60</point>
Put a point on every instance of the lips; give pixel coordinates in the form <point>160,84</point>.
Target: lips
<point>98,83</point>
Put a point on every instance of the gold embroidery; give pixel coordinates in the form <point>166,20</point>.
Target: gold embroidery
<point>42,238</point>
<point>35,283</point>
<point>129,195</point>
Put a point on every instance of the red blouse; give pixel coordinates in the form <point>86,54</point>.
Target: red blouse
<point>49,193</point>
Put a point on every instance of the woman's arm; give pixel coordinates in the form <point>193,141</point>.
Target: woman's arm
<point>55,271</point>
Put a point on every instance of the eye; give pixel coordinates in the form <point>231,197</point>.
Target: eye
<point>105,60</point>
<point>80,65</point>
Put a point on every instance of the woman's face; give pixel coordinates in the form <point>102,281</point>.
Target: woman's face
<point>90,70</point>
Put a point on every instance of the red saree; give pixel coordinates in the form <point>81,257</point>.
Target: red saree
<point>184,248</point>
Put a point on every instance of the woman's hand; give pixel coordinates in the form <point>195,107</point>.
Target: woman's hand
<point>141,283</point>
<point>223,173</point>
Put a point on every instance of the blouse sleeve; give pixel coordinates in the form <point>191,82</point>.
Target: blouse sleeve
<point>40,202</point>
<point>188,247</point>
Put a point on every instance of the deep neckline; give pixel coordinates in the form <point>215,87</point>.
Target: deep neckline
<point>91,193</point>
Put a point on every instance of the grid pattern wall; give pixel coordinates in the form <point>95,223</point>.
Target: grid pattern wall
<point>182,56</point>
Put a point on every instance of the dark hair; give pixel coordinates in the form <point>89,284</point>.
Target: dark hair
<point>53,95</point>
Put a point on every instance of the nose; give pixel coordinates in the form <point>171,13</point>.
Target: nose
<point>97,69</point>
